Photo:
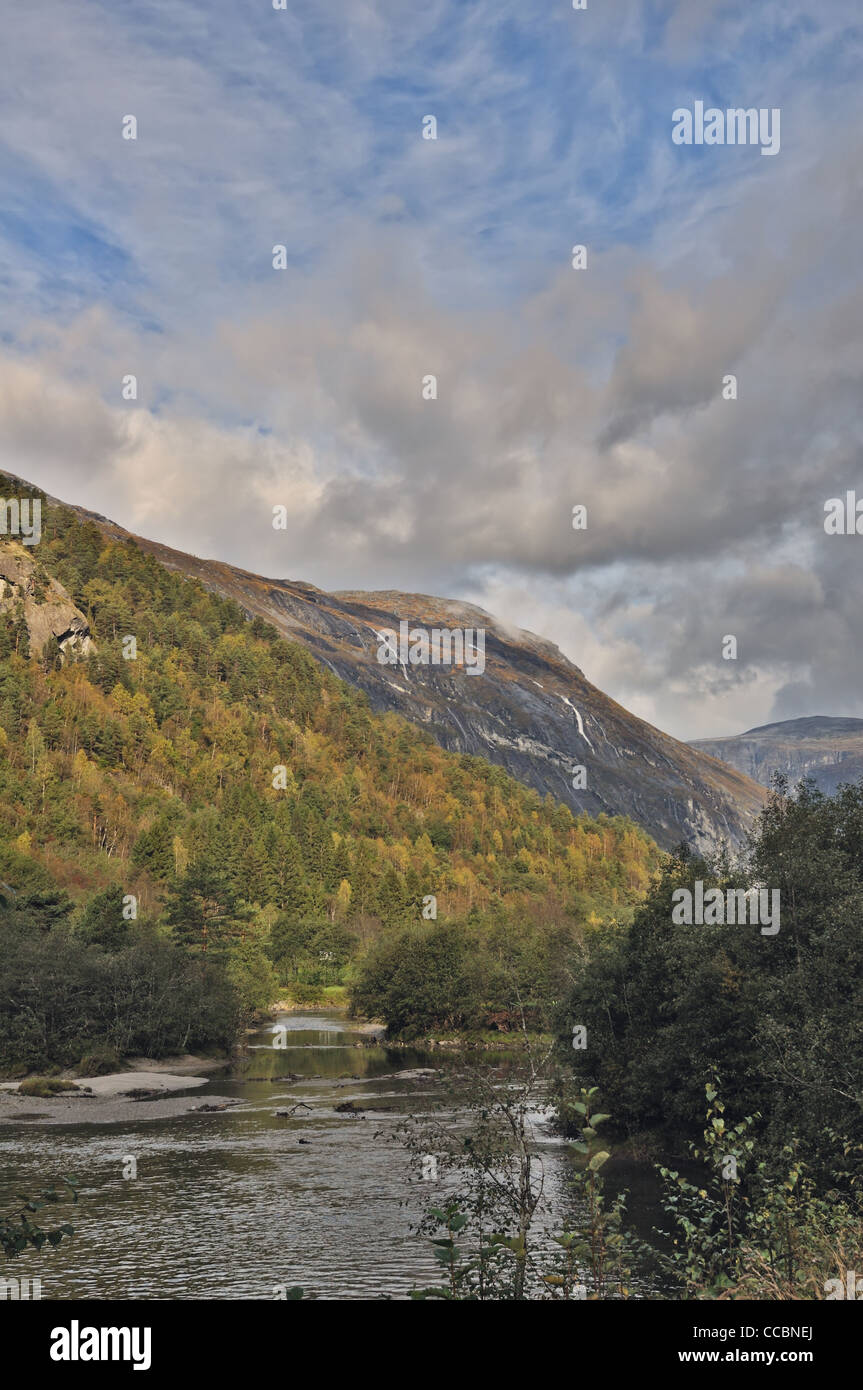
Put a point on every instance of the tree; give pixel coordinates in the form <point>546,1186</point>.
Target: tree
<point>290,943</point>
<point>496,1165</point>
<point>392,898</point>
<point>425,977</point>
<point>103,924</point>
<point>253,976</point>
<point>154,848</point>
<point>52,655</point>
<point>20,634</point>
<point>203,910</point>
<point>292,894</point>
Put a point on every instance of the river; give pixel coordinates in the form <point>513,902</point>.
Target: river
<point>232,1205</point>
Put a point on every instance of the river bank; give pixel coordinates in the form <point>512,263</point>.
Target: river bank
<point>146,1089</point>
<point>335,1001</point>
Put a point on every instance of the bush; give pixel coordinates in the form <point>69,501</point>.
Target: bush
<point>308,994</point>
<point>666,1004</point>
<point>100,1061</point>
<point>45,1087</point>
<point>64,1003</point>
<point>427,977</point>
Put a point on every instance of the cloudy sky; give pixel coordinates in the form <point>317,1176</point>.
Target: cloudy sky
<point>452,257</point>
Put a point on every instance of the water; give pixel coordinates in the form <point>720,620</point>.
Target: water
<point>231,1205</point>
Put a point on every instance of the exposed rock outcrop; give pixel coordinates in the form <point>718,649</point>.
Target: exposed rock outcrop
<point>44,604</point>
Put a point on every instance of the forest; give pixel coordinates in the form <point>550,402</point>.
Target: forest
<point>779,1016</point>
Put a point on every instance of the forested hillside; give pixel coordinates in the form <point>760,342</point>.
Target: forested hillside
<point>251,805</point>
<point>530,709</point>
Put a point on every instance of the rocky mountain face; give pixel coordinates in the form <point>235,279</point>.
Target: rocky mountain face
<point>529,709</point>
<point>44,604</point>
<point>827,749</point>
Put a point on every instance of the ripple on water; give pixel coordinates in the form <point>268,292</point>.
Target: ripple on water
<point>232,1205</point>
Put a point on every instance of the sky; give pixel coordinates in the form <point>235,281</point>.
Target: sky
<point>451,257</point>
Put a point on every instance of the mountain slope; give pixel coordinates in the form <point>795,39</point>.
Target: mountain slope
<point>823,747</point>
<point>215,746</point>
<point>531,710</point>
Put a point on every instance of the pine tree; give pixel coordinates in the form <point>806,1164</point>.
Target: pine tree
<point>20,633</point>
<point>292,893</point>
<point>103,923</point>
<point>392,898</point>
<point>203,911</point>
<point>52,655</point>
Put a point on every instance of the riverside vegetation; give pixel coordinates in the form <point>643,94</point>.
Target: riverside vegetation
<point>753,1224</point>
<point>768,1203</point>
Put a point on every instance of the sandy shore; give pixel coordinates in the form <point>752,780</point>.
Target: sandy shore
<point>105,1099</point>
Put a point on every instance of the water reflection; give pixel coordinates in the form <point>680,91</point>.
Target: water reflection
<point>234,1204</point>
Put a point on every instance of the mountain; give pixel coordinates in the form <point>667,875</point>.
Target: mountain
<point>826,748</point>
<point>197,769</point>
<point>531,710</point>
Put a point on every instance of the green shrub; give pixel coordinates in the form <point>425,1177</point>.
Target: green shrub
<point>45,1086</point>
<point>86,1008</point>
<point>100,1061</point>
<point>308,994</point>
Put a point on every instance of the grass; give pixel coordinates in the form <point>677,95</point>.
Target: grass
<point>315,996</point>
<point>45,1087</point>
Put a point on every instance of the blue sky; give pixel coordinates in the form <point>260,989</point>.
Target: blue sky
<point>552,123</point>
<point>452,257</point>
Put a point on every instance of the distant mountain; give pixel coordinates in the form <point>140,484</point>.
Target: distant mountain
<point>531,710</point>
<point>823,747</point>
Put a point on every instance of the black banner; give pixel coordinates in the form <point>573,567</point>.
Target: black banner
<point>83,1339</point>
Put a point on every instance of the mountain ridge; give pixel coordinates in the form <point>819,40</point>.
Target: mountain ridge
<point>531,710</point>
<point>826,748</point>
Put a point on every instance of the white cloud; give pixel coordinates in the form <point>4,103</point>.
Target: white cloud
<point>411,257</point>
